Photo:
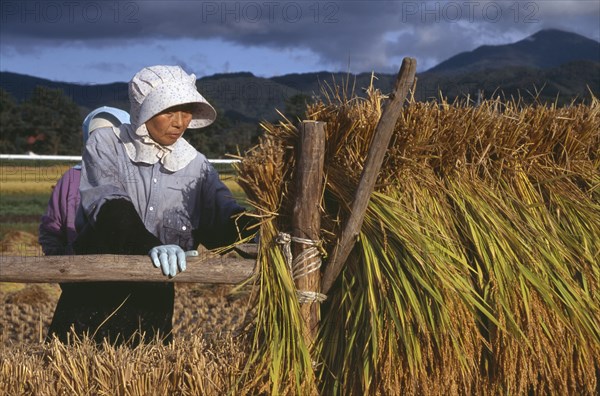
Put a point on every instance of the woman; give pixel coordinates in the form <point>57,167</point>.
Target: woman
<point>57,228</point>
<point>145,190</point>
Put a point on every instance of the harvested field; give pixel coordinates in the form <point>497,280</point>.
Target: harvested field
<point>205,358</point>
<point>202,311</point>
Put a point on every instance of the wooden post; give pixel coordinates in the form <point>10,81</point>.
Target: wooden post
<point>306,220</point>
<point>108,267</point>
<point>375,156</point>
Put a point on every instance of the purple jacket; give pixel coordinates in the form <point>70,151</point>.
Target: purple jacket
<point>57,229</point>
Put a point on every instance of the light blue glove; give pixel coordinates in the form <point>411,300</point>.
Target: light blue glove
<point>169,258</point>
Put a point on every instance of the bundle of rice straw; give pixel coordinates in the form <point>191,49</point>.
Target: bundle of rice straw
<point>476,270</point>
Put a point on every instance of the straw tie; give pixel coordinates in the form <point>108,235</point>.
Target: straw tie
<point>296,265</point>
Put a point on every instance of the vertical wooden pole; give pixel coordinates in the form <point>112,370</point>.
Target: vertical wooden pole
<point>375,157</point>
<point>306,221</point>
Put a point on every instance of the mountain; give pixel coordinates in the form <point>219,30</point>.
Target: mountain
<point>569,82</point>
<point>548,67</point>
<point>21,87</point>
<point>313,84</point>
<point>241,97</point>
<point>545,49</point>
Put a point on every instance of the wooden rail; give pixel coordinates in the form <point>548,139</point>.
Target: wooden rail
<point>206,268</point>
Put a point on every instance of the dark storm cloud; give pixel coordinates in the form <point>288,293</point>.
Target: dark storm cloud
<point>368,34</point>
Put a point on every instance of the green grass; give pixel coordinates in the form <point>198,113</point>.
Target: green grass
<point>21,212</point>
<point>23,204</point>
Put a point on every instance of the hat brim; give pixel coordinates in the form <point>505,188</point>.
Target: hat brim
<point>173,94</point>
<point>111,115</point>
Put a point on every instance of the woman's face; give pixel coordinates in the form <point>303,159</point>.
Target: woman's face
<point>170,124</point>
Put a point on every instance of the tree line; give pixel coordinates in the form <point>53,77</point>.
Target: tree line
<point>49,123</point>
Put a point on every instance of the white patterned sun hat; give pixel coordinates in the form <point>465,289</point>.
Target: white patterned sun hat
<point>156,88</point>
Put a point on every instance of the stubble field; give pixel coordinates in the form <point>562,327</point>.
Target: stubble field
<point>200,310</point>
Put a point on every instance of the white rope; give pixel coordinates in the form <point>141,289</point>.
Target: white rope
<point>297,265</point>
<point>309,297</point>
<point>285,241</point>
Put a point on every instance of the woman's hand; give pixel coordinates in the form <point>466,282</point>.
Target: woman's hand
<point>169,258</point>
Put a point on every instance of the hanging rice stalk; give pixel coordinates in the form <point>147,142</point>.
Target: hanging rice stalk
<point>476,270</point>
<point>280,351</point>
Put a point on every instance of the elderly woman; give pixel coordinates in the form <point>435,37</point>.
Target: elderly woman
<point>146,190</point>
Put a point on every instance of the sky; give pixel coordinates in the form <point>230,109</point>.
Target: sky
<point>98,42</point>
